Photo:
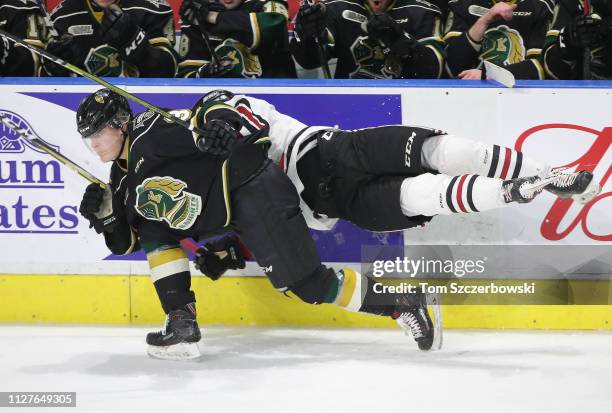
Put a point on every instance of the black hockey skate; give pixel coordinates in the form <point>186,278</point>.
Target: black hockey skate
<point>179,337</point>
<point>576,185</point>
<point>523,190</point>
<point>412,316</point>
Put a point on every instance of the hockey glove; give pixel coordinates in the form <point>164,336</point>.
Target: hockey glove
<point>384,30</point>
<point>97,206</point>
<point>584,31</point>
<point>216,69</point>
<point>310,21</point>
<point>196,11</point>
<point>219,138</point>
<point>219,256</point>
<point>63,47</point>
<point>120,31</point>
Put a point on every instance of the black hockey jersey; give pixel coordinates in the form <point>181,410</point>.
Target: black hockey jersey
<point>567,64</point>
<point>169,189</point>
<point>516,44</point>
<point>23,18</point>
<point>253,36</point>
<point>80,18</point>
<point>360,57</point>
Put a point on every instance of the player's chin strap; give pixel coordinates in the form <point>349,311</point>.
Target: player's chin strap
<point>43,53</point>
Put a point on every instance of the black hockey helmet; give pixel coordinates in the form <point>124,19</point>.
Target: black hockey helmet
<point>100,109</point>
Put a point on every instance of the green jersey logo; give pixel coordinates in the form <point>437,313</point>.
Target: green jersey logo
<point>103,61</point>
<point>246,64</point>
<point>503,46</point>
<point>163,198</point>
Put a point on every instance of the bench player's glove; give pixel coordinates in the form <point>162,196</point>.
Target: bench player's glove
<point>97,207</point>
<point>310,21</point>
<point>216,69</point>
<point>120,31</point>
<point>63,47</point>
<point>196,11</point>
<point>584,31</point>
<point>218,138</point>
<point>219,256</point>
<point>383,29</point>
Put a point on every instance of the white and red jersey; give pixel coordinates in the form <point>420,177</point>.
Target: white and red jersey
<point>290,140</point>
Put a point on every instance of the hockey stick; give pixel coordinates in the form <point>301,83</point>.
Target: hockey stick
<point>102,82</point>
<point>187,243</point>
<point>499,74</point>
<point>434,301</point>
<point>586,53</point>
<point>320,48</point>
<point>39,143</point>
<point>213,52</point>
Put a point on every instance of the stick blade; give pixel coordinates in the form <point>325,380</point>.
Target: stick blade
<point>499,74</point>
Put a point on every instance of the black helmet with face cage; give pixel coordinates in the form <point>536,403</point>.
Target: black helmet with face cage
<point>100,109</point>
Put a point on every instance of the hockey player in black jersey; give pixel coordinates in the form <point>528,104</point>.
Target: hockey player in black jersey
<point>571,33</point>
<point>507,33</point>
<point>248,37</point>
<point>168,183</point>
<point>132,38</point>
<point>371,38</point>
<point>23,18</point>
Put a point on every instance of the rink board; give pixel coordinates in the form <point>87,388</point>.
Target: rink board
<point>250,301</point>
<point>58,270</point>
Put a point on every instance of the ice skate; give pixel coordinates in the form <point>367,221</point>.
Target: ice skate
<point>523,190</point>
<point>579,186</point>
<point>178,340</point>
<point>412,316</point>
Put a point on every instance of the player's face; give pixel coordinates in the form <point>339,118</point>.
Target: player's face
<point>106,143</point>
<point>378,6</point>
<point>104,3</point>
<point>230,4</point>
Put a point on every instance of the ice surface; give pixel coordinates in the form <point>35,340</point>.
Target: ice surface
<point>299,370</point>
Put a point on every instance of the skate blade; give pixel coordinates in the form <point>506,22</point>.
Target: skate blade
<point>589,194</point>
<point>434,301</point>
<point>180,351</point>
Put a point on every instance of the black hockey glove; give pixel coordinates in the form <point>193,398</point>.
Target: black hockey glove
<point>583,32</point>
<point>310,21</point>
<point>196,11</point>
<point>384,30</point>
<point>100,208</point>
<point>120,31</point>
<point>216,69</point>
<point>219,138</point>
<point>63,47</point>
<point>219,256</point>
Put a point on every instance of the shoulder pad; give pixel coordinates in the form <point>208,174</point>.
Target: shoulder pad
<point>142,119</point>
<point>549,4</point>
<point>20,4</point>
<point>344,3</point>
<point>416,5</point>
<point>217,96</point>
<point>154,5</point>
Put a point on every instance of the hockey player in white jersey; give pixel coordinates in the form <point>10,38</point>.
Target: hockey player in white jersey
<point>386,178</point>
<point>391,178</point>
